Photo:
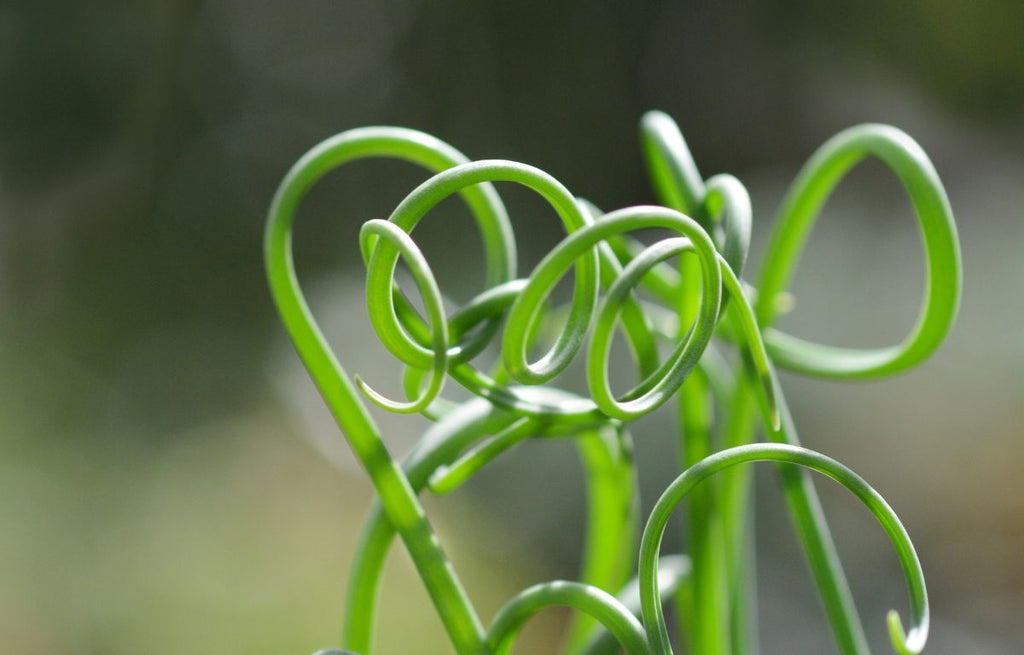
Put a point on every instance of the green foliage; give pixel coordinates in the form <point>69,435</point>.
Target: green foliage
<point>619,284</point>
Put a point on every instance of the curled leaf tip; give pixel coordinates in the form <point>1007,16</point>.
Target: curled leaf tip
<point>382,401</point>
<point>902,643</point>
<point>784,303</point>
<point>442,481</point>
<point>621,286</point>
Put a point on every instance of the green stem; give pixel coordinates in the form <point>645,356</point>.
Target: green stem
<point>650,545</point>
<point>737,522</point>
<point>396,494</point>
<point>673,574</point>
<point>613,519</point>
<point>800,209</point>
<point>708,588</point>
<point>439,445</point>
<point>599,604</point>
<point>706,296</point>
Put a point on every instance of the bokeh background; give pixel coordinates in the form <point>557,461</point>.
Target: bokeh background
<point>169,482</point>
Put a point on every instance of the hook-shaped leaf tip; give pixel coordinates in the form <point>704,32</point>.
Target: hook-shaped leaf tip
<point>448,477</point>
<point>901,642</point>
<point>411,407</point>
<point>444,480</point>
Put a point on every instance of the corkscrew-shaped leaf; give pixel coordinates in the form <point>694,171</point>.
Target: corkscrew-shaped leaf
<point>650,596</point>
<point>621,284</point>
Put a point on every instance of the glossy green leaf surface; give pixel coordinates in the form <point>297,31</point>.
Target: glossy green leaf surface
<point>678,301</point>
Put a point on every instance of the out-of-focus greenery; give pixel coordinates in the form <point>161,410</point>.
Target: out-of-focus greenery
<point>154,490</point>
<point>225,539</point>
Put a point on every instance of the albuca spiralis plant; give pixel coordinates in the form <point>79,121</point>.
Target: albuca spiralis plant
<point>684,294</point>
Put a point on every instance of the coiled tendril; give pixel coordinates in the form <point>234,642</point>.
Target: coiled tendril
<point>620,284</point>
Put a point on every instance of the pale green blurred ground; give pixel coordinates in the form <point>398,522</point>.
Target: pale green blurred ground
<point>232,538</point>
<point>158,489</point>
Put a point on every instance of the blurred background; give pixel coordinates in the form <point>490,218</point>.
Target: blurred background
<point>169,481</point>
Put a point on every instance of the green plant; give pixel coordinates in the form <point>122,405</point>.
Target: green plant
<point>619,594</point>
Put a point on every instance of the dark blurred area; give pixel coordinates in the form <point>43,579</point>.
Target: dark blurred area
<point>157,487</point>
